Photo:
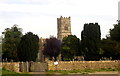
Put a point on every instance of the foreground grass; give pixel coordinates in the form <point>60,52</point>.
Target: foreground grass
<point>80,71</point>
<point>12,73</point>
<point>52,72</point>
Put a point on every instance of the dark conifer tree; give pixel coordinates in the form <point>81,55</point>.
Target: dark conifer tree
<point>28,47</point>
<point>91,36</point>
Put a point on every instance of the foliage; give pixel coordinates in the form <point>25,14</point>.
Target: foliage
<point>91,36</point>
<point>10,43</point>
<point>114,36</point>
<point>52,47</point>
<point>109,48</point>
<point>117,47</point>
<point>115,32</point>
<point>28,47</point>
<point>70,47</point>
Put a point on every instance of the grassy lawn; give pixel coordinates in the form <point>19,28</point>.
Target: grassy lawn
<point>12,73</point>
<point>80,71</point>
<point>52,72</point>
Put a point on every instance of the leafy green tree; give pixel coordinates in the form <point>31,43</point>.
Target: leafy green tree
<point>115,32</point>
<point>117,47</point>
<point>90,39</point>
<point>10,43</point>
<point>115,36</point>
<point>28,47</point>
<point>70,47</point>
<point>109,48</point>
<point>52,48</point>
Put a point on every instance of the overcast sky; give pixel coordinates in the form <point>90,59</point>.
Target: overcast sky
<point>40,16</point>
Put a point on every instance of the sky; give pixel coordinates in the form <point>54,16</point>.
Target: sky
<point>40,16</point>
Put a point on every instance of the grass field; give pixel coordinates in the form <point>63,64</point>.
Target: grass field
<point>52,72</point>
<point>81,71</point>
<point>12,73</point>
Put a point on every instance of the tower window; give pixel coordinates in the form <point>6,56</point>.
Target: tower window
<point>66,28</point>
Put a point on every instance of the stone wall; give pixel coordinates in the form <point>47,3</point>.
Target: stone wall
<point>82,65</point>
<point>25,66</point>
<point>62,65</point>
<point>13,66</point>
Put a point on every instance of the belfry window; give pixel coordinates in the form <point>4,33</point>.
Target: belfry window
<point>66,28</point>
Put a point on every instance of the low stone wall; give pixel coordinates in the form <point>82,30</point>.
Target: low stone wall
<point>82,65</point>
<point>13,66</point>
<point>25,66</point>
<point>62,65</point>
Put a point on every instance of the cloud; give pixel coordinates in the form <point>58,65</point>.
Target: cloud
<point>24,1</point>
<point>70,7</point>
<point>41,15</point>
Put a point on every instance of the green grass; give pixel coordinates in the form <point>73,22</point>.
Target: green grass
<point>109,69</point>
<point>6,72</point>
<point>52,72</point>
<point>86,71</point>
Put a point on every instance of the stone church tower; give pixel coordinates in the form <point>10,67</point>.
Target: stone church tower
<point>63,27</point>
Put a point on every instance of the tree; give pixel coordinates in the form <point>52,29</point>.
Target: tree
<point>70,47</point>
<point>109,48</point>
<point>52,47</point>
<point>91,36</point>
<point>28,47</point>
<point>115,32</point>
<point>117,47</point>
<point>115,36</point>
<point>10,43</point>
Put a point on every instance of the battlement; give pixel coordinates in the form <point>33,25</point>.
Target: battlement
<point>64,17</point>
